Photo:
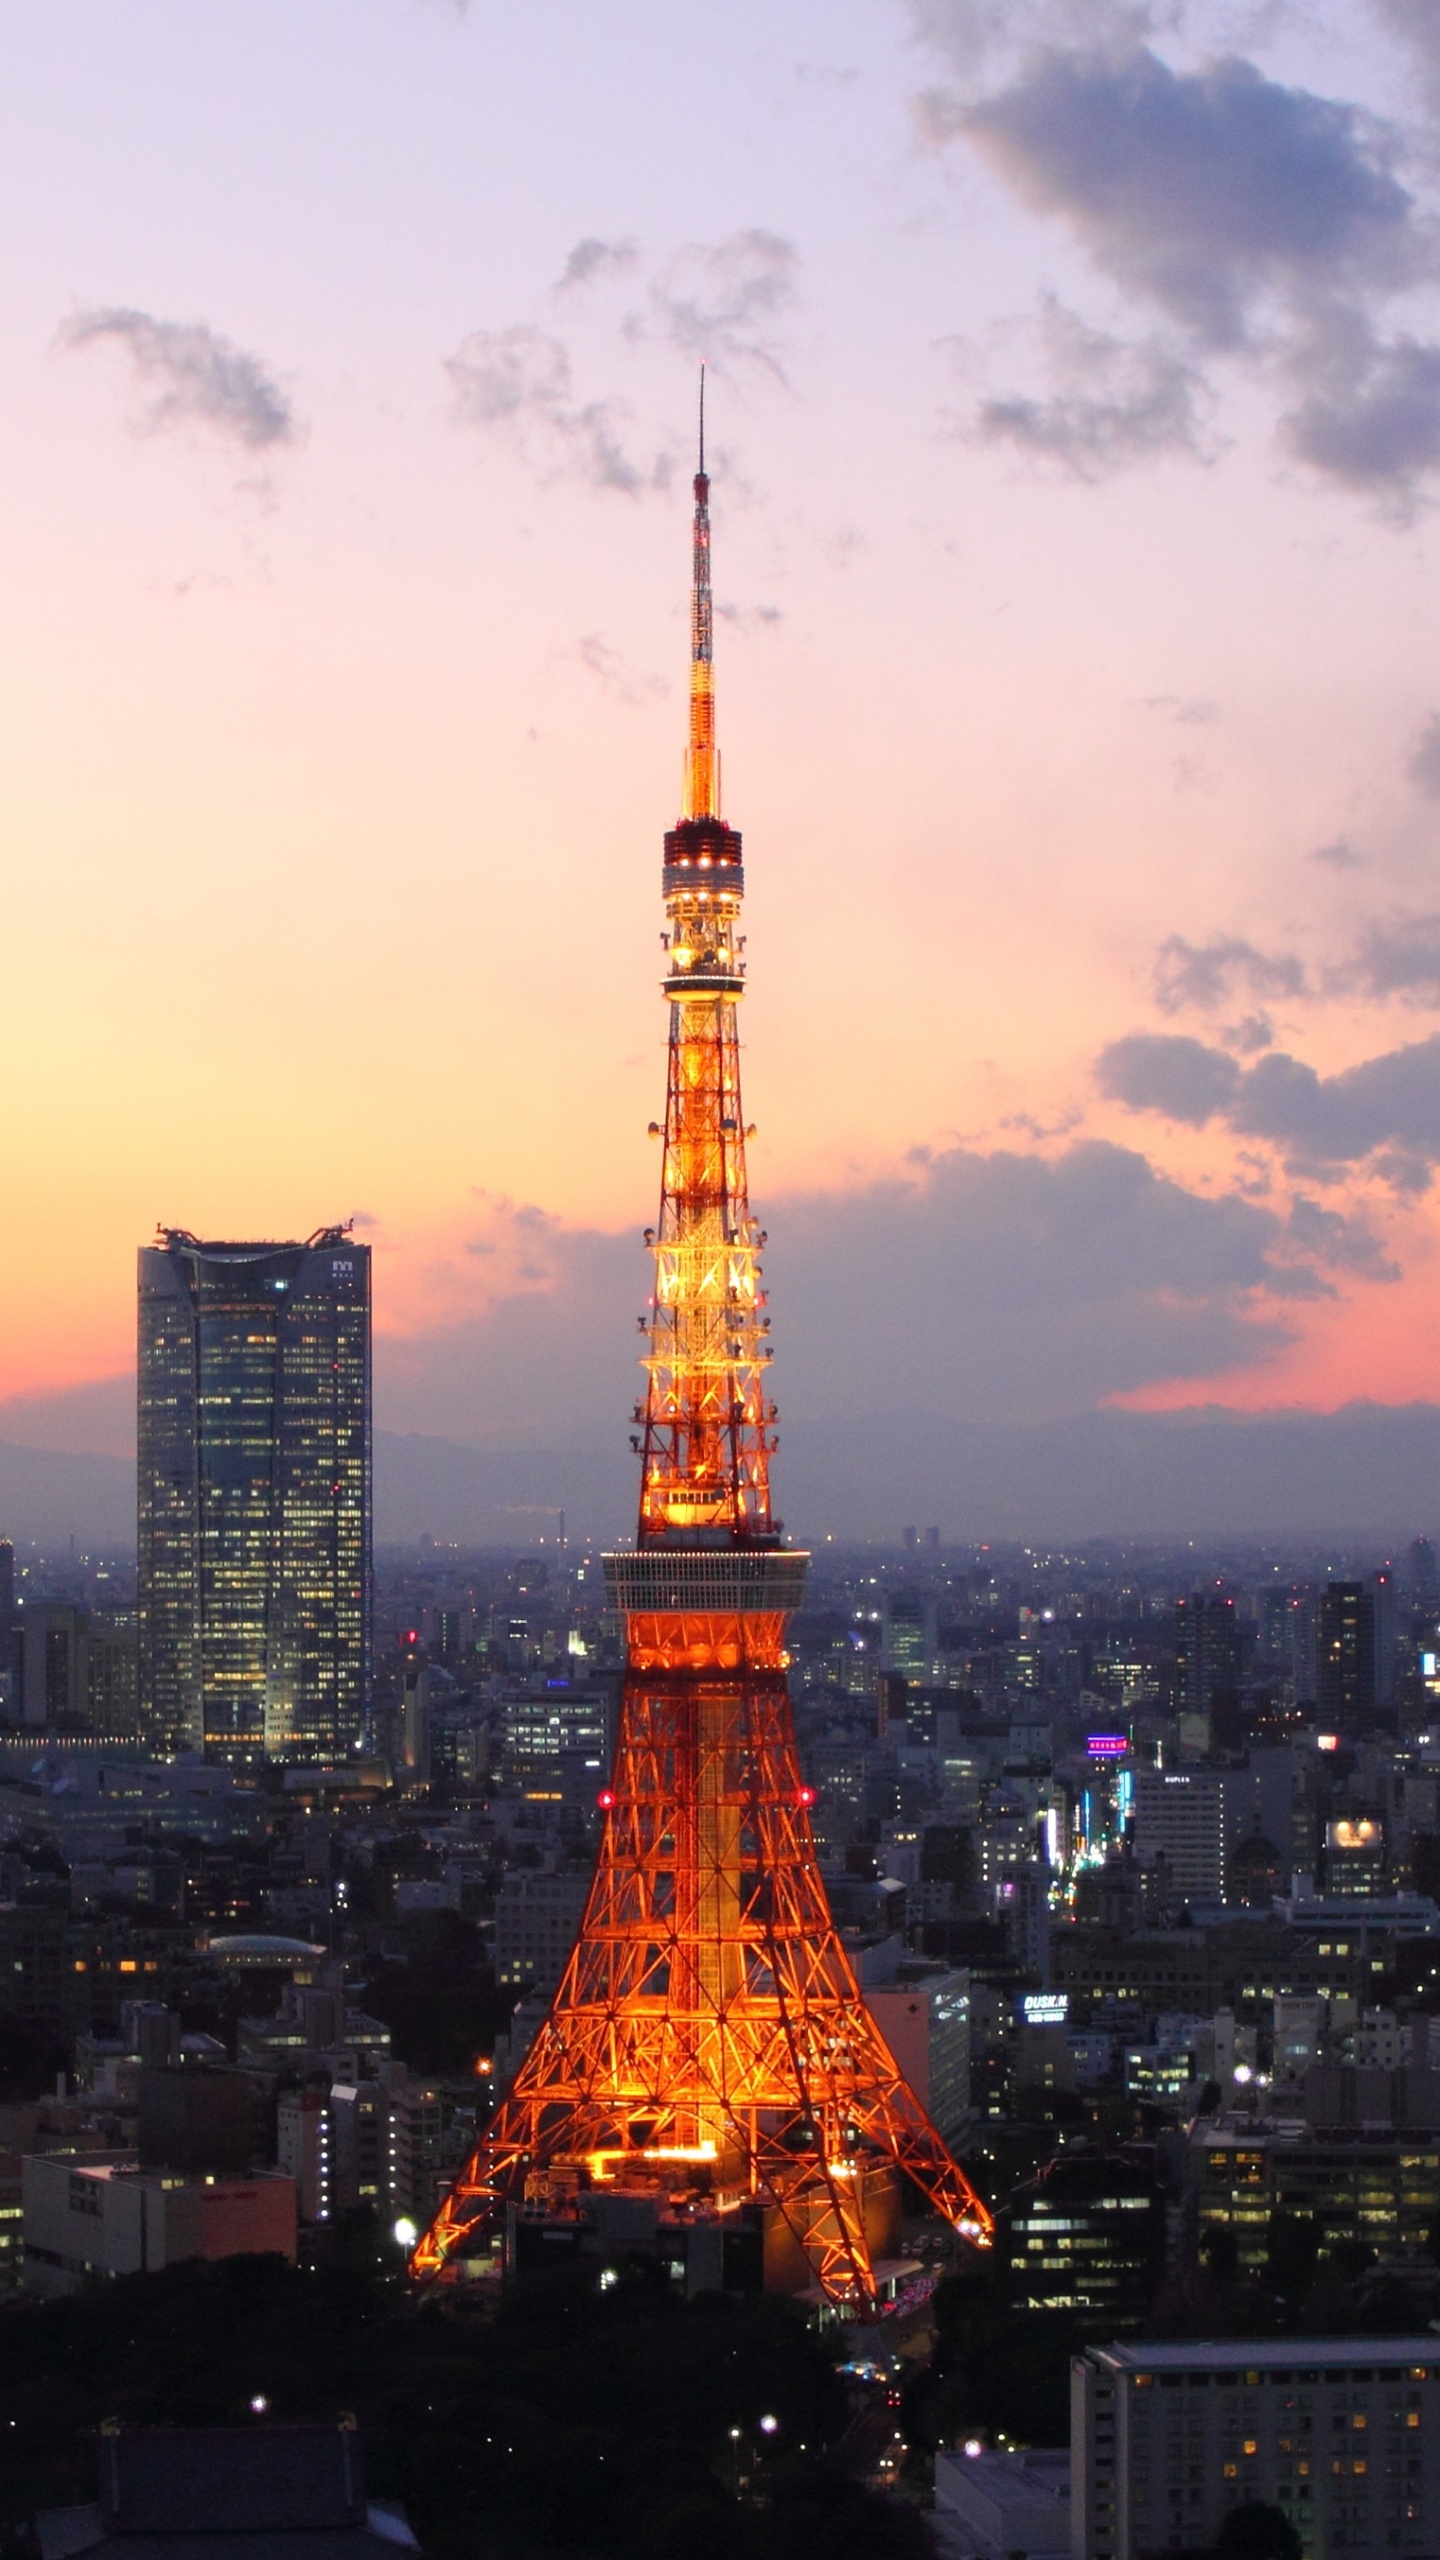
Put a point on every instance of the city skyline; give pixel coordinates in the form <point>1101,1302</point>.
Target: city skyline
<point>344,651</point>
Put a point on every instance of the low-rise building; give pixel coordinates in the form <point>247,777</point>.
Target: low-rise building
<point>288,2492</point>
<point>1378,2186</point>
<point>1088,2237</point>
<point>86,2216</point>
<point>1002,2506</point>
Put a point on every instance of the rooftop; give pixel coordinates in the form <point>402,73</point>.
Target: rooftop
<point>1387,2358</point>
<point>275,2492</point>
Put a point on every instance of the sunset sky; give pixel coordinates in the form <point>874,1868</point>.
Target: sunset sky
<point>1075,432</point>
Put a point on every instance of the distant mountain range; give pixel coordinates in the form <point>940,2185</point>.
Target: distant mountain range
<point>1369,1471</point>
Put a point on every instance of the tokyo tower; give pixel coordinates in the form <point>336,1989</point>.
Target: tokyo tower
<point>708,2080</point>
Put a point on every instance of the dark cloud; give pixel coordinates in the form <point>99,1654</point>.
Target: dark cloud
<point>518,383</point>
<point>1162,1071</point>
<point>1370,415</point>
<point>725,303</point>
<point>1417,23</point>
<point>1423,764</point>
<point>592,258</point>
<point>1263,220</point>
<point>1387,1109</point>
<point>1342,855</point>
<point>1105,403</point>
<point>1345,1244</point>
<point>1202,189</point>
<point>1399,957</point>
<point>1253,1032</point>
<point>190,377</point>
<point>1031,1288</point>
<point>1207,974</point>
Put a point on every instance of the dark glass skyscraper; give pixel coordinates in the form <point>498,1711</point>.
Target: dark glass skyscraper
<point>254,1496</point>
<point>1345,1658</point>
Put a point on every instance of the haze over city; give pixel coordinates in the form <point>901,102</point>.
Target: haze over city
<point>1079,683</point>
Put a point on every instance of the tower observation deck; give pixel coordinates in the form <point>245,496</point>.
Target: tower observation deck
<point>708,2070</point>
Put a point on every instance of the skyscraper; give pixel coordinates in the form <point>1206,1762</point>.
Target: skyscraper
<point>254,1496</point>
<point>1207,1650</point>
<point>1345,1658</point>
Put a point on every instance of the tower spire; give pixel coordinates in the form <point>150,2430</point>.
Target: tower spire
<point>700,797</point>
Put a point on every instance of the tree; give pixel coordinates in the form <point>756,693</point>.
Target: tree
<point>1257,2532</point>
<point>30,2056</point>
<point>1291,2253</point>
<point>1220,2251</point>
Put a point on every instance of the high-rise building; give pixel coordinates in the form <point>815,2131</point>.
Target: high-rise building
<point>1180,1817</point>
<point>1345,1657</point>
<point>909,1636</point>
<point>1207,1651</point>
<point>254,1496</point>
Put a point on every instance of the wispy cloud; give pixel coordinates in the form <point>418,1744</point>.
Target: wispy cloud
<point>1189,711</point>
<point>726,302</point>
<point>1208,974</point>
<point>592,259</point>
<point>189,376</point>
<point>518,383</point>
<point>601,659</point>
<point>1103,404</point>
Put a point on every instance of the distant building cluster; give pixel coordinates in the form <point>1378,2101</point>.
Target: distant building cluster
<point>1136,1854</point>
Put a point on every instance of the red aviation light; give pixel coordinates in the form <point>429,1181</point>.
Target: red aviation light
<point>606,1799</point>
<point>805,1796</point>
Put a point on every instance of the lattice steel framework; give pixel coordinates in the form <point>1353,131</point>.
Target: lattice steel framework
<point>708,2042</point>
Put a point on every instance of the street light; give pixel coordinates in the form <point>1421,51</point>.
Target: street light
<point>407,2232</point>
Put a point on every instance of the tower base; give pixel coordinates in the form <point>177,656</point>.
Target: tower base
<point>708,2054</point>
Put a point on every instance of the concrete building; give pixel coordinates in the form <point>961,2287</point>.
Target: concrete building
<point>87,2216</point>
<point>925,2021</point>
<point>554,1728</point>
<point>1378,2187</point>
<point>1002,2506</point>
<point>285,2492</point>
<point>417,2161</point>
<point>1340,2433</point>
<point>1180,1817</point>
<point>1088,2237</point>
<point>536,1917</point>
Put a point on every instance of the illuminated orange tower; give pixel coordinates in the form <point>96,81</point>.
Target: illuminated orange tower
<point>708,2056</point>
